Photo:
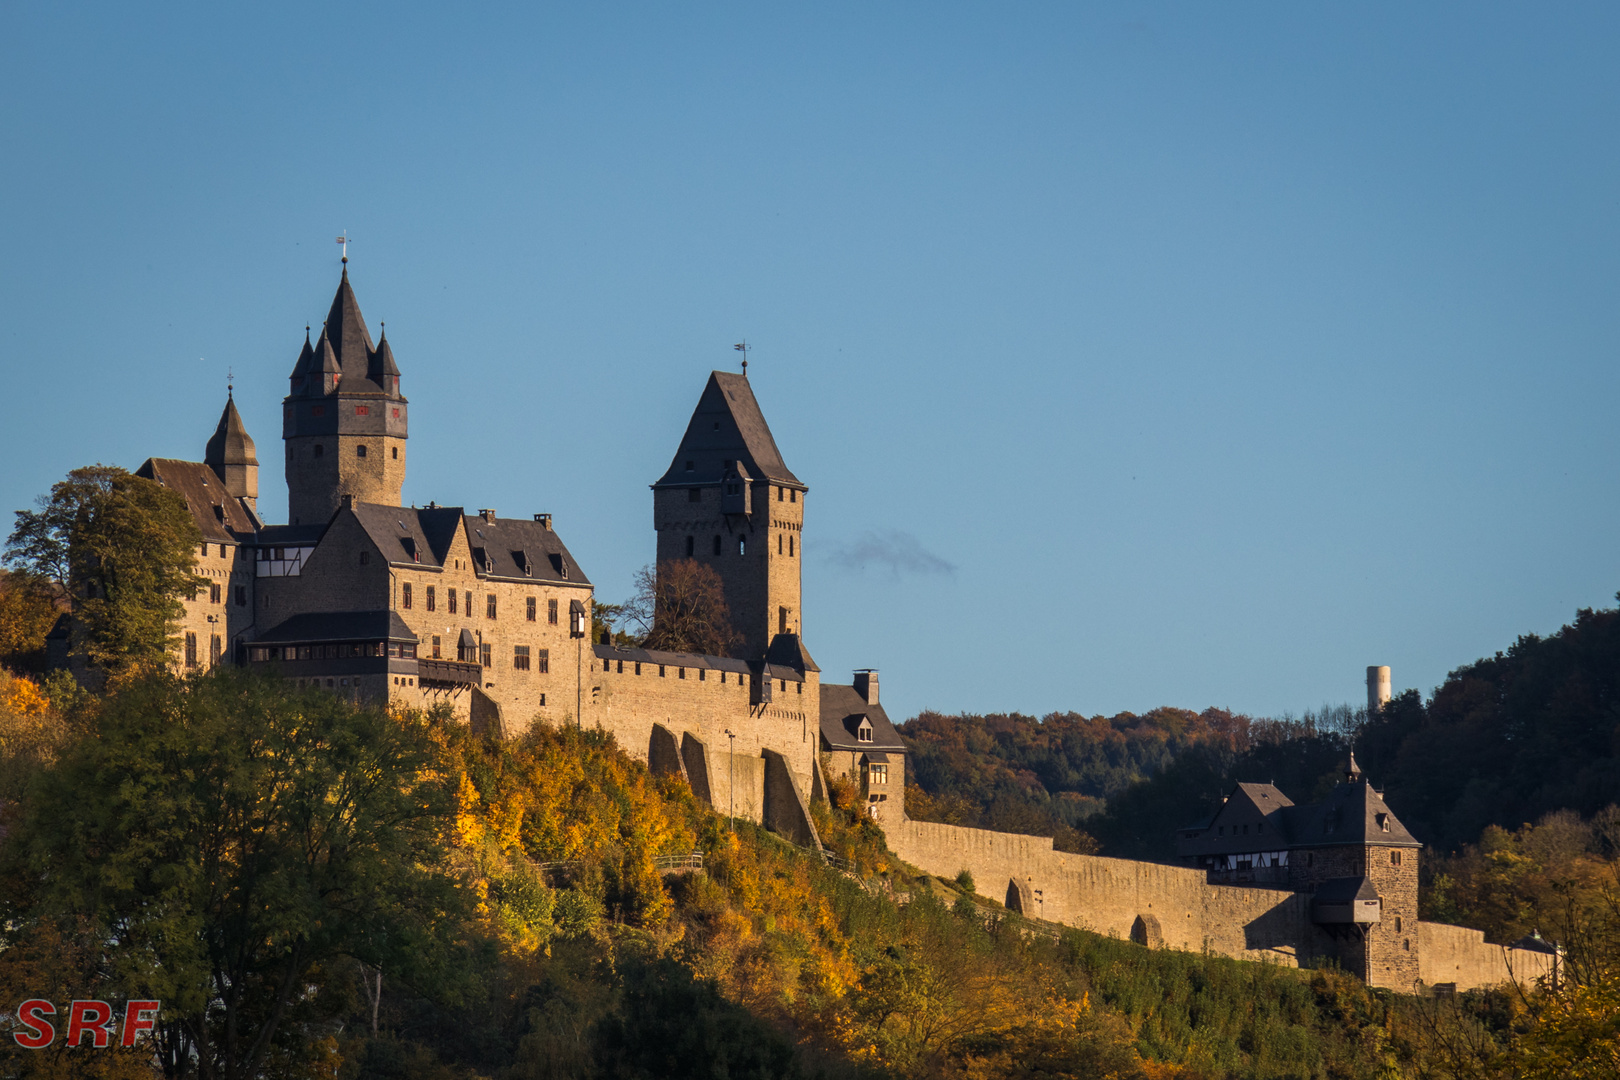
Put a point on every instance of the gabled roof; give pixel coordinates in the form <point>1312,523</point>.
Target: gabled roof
<point>498,544</point>
<point>788,650</point>
<point>727,425</point>
<point>291,535</point>
<point>221,517</point>
<point>230,444</point>
<point>430,531</point>
<point>1345,889</point>
<point>842,709</point>
<point>341,626</point>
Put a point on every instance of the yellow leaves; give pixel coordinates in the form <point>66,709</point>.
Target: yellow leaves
<point>22,697</point>
<point>469,826</point>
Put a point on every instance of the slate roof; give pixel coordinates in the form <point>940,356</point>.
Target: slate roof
<point>1343,890</point>
<point>1349,815</point>
<point>788,650</point>
<point>291,535</point>
<point>345,347</point>
<point>841,710</point>
<point>230,444</point>
<point>727,425</point>
<point>520,548</point>
<point>341,626</point>
<point>221,517</point>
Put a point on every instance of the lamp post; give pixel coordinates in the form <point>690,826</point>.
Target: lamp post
<point>732,820</point>
<point>576,630</point>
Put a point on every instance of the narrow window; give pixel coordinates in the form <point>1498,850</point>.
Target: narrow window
<point>520,657</point>
<point>430,598</point>
<point>702,673</point>
<point>638,669</point>
<point>484,651</point>
<point>1260,828</point>
<point>1397,924</point>
<point>545,661</point>
<point>405,596</point>
<point>691,544</point>
<point>365,558</point>
<point>191,650</point>
<point>452,601</point>
<point>551,613</point>
<point>216,649</point>
<point>779,543</point>
<point>529,608</point>
<point>781,493</point>
<point>360,451</point>
<point>660,671</point>
<point>793,495</point>
<point>681,672</point>
<point>1395,858</point>
<point>241,596</point>
<point>717,545</point>
<point>790,545</point>
<point>437,648</point>
<point>396,453</point>
<point>214,591</point>
<point>621,668</point>
<point>1245,830</point>
<point>742,546</point>
<point>489,606</point>
<point>694,494</point>
<point>1310,858</point>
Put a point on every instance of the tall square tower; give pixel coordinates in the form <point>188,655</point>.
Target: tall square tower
<point>730,502</point>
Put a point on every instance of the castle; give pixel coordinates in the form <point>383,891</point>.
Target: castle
<point>365,597</point>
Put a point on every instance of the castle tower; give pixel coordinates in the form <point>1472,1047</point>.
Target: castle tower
<point>730,502</point>
<point>343,420</point>
<point>230,454</point>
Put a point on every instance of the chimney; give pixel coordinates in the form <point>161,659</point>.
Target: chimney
<point>487,515</point>
<point>866,685</point>
<point>348,501</point>
<point>1377,689</point>
<point>544,520</point>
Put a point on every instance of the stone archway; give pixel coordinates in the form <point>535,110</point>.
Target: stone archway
<point>1017,896</point>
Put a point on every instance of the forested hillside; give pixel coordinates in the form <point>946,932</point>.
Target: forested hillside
<point>1504,741</point>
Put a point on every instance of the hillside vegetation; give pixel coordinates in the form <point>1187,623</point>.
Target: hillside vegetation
<point>324,891</point>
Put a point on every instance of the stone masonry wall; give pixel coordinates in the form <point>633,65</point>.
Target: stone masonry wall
<point>1458,955</point>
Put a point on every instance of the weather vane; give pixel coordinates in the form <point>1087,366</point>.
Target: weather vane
<point>344,240</point>
<point>230,380</point>
<point>742,347</point>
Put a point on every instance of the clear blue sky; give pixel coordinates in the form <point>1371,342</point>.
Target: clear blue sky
<point>1135,355</point>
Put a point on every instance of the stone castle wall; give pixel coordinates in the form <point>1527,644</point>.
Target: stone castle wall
<point>1460,956</point>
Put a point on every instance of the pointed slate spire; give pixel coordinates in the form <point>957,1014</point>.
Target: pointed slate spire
<point>1352,772</point>
<point>230,453</point>
<point>301,370</point>
<point>346,330</point>
<point>383,370</point>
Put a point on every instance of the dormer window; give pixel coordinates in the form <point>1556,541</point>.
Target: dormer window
<point>1383,822</point>
<point>864,732</point>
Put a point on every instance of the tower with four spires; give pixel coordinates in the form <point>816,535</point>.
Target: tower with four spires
<point>344,419</point>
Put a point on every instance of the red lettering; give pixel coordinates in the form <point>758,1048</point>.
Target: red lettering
<point>94,1017</point>
<point>31,1015</point>
<point>136,1020</point>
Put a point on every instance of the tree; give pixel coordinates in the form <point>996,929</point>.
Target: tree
<point>683,605</point>
<point>229,841</point>
<point>124,549</point>
<point>27,612</point>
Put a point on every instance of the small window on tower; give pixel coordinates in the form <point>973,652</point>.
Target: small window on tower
<point>793,495</point>
<point>396,453</point>
<point>362,410</point>
<point>691,466</point>
<point>790,545</point>
<point>781,493</point>
<point>779,543</point>
<point>742,545</point>
<point>1395,858</point>
<point>360,451</point>
<point>694,494</point>
<point>489,606</point>
<point>691,545</point>
<point>717,545</point>
<point>529,606</point>
<point>319,450</point>
<point>551,612</point>
<point>365,558</point>
<point>214,593</point>
<point>191,650</point>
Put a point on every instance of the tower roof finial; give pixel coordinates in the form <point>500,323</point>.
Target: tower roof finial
<point>742,347</point>
<point>344,240</point>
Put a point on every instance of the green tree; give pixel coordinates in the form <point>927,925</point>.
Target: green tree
<point>230,840</point>
<point>125,550</point>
